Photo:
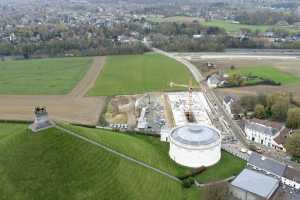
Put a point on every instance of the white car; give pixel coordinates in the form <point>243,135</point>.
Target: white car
<point>243,150</point>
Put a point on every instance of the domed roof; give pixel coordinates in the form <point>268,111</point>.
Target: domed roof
<point>195,135</point>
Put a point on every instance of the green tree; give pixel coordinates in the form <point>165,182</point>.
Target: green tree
<point>293,118</point>
<point>279,110</point>
<point>293,144</point>
<point>260,112</point>
<point>248,102</point>
<point>262,99</point>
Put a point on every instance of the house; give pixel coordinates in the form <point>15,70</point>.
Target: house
<point>252,185</point>
<point>267,165</point>
<point>268,133</point>
<point>228,102</point>
<point>213,81</point>
<point>291,177</point>
<point>286,174</point>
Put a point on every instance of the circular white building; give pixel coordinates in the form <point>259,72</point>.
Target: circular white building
<point>195,145</point>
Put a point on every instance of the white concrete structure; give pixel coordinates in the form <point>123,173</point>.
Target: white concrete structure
<point>195,145</point>
<point>179,104</point>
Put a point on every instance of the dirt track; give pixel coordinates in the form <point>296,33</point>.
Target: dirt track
<point>73,107</point>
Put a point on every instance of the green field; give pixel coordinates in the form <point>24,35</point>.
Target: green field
<point>152,151</point>
<point>268,72</point>
<point>228,166</point>
<point>53,165</point>
<point>42,76</point>
<point>133,74</point>
<point>227,25</point>
<point>232,28</point>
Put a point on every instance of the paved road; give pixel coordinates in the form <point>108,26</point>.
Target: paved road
<point>119,154</point>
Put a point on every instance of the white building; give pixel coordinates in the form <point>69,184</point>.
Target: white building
<point>267,133</point>
<point>195,145</point>
<point>213,81</point>
<point>287,175</point>
<point>291,178</point>
<point>227,103</point>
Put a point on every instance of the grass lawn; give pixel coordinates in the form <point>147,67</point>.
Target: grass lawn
<point>131,74</point>
<point>231,27</point>
<point>152,151</point>
<point>228,166</point>
<point>53,165</point>
<point>145,148</point>
<point>42,76</point>
<point>268,72</point>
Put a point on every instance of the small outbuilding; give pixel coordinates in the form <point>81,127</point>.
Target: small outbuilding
<point>195,145</point>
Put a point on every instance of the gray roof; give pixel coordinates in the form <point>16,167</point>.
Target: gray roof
<point>292,174</point>
<point>214,79</point>
<point>256,183</point>
<point>195,135</point>
<point>227,98</point>
<point>261,128</point>
<point>267,164</point>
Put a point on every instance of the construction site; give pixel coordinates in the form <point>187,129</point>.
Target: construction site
<point>158,112</point>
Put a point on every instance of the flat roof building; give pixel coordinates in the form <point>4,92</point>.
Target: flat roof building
<point>250,184</point>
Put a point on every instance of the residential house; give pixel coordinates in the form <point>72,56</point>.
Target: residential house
<point>267,165</point>
<point>268,133</point>
<point>286,174</point>
<point>214,81</point>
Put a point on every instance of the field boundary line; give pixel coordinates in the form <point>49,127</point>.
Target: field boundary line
<point>118,153</point>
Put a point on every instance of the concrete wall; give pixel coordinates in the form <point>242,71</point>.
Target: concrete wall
<point>243,195</point>
<point>195,157</point>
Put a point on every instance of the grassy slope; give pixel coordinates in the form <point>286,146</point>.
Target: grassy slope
<point>54,165</point>
<point>144,148</point>
<point>42,76</point>
<point>132,74</point>
<point>155,153</point>
<point>269,72</point>
<point>228,166</point>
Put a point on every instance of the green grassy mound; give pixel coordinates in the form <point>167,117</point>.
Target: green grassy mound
<point>267,72</point>
<point>42,76</point>
<point>133,74</point>
<point>53,165</point>
<point>152,151</point>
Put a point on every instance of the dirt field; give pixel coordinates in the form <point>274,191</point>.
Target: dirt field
<point>74,107</point>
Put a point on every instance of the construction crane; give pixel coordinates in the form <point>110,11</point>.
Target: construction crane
<point>191,87</point>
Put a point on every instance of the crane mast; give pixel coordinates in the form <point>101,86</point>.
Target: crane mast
<point>189,113</point>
